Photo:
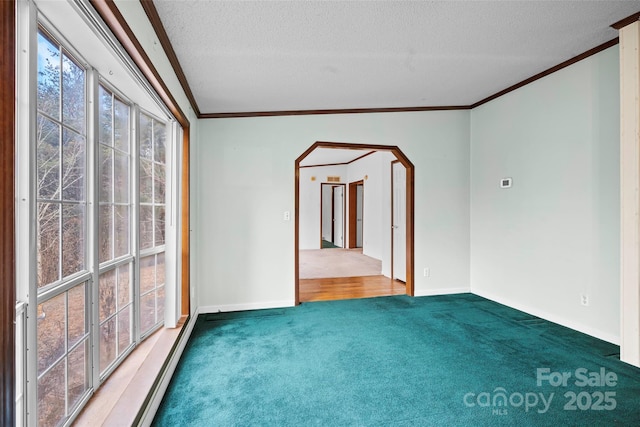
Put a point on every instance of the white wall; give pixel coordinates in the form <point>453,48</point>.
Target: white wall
<point>310,202</point>
<point>245,166</point>
<point>555,234</point>
<point>327,212</point>
<point>377,203</point>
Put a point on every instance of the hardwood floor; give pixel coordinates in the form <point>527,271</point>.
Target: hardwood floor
<point>349,288</point>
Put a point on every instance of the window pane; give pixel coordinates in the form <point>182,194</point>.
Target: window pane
<point>159,224</point>
<point>121,230</point>
<point>146,151</point>
<point>121,178</point>
<point>73,166</point>
<point>48,243</point>
<point>124,285</point>
<point>73,249</point>
<point>76,314</point>
<point>51,391</point>
<point>106,174</point>
<point>159,136</point>
<point>107,298</point>
<point>160,269</point>
<point>48,154</point>
<point>105,240</point>
<point>147,273</point>
<point>78,377</point>
<point>73,106</point>
<point>124,329</point>
<point>158,183</point>
<point>147,312</point>
<point>146,183</point>
<point>107,343</point>
<point>121,125</point>
<point>146,227</point>
<point>160,296</point>
<point>106,116</point>
<point>52,330</point>
<point>48,77</point>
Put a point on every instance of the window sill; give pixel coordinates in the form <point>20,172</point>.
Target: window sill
<point>121,397</point>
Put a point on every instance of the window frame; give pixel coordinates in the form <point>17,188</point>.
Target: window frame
<point>30,22</point>
<point>154,250</point>
<point>40,295</point>
<point>114,264</point>
<point>52,287</point>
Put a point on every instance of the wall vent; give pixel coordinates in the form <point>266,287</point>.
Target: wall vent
<point>333,179</point>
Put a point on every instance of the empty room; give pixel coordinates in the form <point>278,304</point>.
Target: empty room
<point>320,212</point>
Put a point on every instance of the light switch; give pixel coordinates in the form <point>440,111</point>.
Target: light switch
<point>287,215</point>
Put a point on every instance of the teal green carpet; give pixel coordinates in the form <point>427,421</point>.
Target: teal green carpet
<point>396,361</point>
<point>328,245</point>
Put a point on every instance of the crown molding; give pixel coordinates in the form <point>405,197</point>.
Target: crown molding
<point>626,21</point>
<point>111,15</point>
<point>548,71</point>
<point>156,22</point>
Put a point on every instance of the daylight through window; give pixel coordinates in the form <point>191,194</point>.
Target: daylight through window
<point>100,171</point>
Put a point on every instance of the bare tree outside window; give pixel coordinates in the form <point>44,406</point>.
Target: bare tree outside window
<point>115,299</point>
<point>69,299</point>
<point>153,134</point>
<point>61,214</point>
<point>61,162</point>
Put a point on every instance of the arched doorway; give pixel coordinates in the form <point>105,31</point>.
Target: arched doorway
<point>409,205</point>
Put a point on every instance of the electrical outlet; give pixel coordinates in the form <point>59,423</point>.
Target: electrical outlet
<point>427,272</point>
<point>584,299</point>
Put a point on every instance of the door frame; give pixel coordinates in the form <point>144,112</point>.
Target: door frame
<point>409,211</point>
<point>353,212</point>
<point>333,213</point>
<point>333,185</point>
<point>392,220</point>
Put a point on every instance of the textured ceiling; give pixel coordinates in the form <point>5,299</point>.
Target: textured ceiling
<point>249,56</point>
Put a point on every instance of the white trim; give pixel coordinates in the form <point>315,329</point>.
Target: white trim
<point>93,221</point>
<point>629,196</point>
<point>441,291</point>
<point>25,185</point>
<point>576,326</point>
<point>21,363</point>
<point>134,115</point>
<point>172,227</point>
<point>156,398</point>
<point>246,306</point>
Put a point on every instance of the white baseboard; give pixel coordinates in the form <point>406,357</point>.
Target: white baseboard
<point>440,291</point>
<point>247,306</point>
<point>605,336</point>
<point>158,394</point>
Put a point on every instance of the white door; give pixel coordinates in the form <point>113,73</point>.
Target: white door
<point>399,225</point>
<point>327,212</point>
<point>338,216</point>
<point>359,215</point>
